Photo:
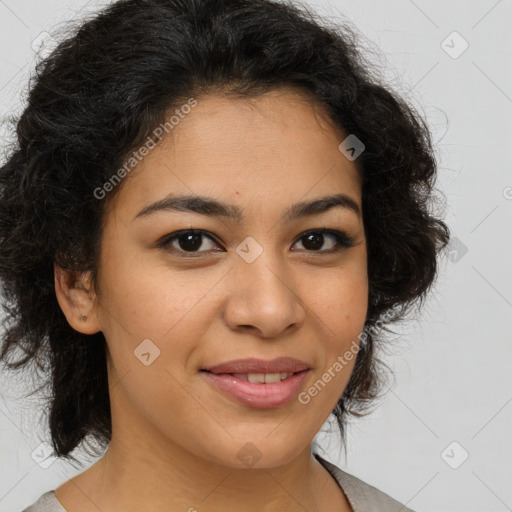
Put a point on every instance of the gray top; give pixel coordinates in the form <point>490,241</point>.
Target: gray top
<point>361,496</point>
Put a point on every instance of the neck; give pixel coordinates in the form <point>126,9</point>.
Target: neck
<point>172,481</point>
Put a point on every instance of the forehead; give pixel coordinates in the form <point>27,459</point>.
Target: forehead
<point>275,149</point>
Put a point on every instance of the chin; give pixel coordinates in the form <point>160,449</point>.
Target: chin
<point>260,454</point>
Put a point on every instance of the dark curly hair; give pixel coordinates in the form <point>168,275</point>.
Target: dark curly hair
<point>103,91</point>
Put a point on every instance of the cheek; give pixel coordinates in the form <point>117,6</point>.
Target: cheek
<point>148,300</point>
<point>340,306</point>
<point>172,310</point>
<point>339,300</point>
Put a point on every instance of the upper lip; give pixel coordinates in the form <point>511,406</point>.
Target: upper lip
<point>253,365</point>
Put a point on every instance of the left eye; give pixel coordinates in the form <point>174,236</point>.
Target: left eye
<point>316,239</point>
<point>190,241</point>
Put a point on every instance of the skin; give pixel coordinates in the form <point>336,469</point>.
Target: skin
<point>176,437</point>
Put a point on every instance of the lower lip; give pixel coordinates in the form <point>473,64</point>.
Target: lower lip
<point>256,394</point>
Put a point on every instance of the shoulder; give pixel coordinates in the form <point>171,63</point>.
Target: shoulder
<point>46,503</point>
<point>362,497</point>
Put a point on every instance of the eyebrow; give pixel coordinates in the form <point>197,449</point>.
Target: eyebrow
<point>214,208</point>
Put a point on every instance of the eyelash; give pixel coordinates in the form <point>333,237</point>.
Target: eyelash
<point>343,241</point>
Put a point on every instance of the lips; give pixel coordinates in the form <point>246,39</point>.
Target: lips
<point>258,383</point>
<point>260,366</point>
<point>255,394</point>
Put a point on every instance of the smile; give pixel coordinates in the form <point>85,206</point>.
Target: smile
<point>258,390</point>
<point>263,377</point>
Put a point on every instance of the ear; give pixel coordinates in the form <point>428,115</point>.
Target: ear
<point>77,299</point>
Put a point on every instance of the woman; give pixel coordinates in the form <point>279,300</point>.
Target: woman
<point>207,368</point>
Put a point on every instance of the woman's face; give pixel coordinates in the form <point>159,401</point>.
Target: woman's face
<point>250,286</point>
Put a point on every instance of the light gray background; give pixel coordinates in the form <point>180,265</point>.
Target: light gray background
<point>452,365</point>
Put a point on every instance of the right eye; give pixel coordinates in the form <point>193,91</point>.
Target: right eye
<point>186,242</point>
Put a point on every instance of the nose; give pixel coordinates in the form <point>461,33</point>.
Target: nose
<point>263,298</point>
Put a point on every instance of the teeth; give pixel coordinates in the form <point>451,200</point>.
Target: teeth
<point>271,377</point>
<point>266,378</point>
<point>257,377</point>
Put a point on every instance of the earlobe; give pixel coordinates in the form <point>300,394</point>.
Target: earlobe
<point>77,299</point>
